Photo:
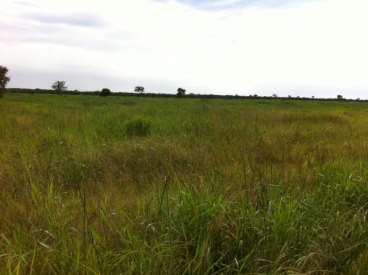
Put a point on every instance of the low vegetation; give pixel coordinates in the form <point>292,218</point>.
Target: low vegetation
<point>139,185</point>
<point>138,128</point>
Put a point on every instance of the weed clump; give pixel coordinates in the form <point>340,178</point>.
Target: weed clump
<point>138,128</point>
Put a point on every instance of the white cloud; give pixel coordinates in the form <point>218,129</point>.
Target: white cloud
<point>315,48</point>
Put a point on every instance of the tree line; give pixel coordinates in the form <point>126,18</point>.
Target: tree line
<point>60,87</point>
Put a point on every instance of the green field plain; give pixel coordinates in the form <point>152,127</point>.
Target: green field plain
<point>139,185</point>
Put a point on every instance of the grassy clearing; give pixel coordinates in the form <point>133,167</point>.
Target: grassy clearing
<point>121,185</point>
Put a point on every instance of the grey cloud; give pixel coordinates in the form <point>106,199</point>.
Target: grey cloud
<point>234,4</point>
<point>75,19</point>
<point>26,4</point>
<point>28,31</point>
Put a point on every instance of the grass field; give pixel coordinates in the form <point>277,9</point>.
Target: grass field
<point>130,185</point>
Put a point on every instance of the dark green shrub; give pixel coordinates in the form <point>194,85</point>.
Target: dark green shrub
<point>105,92</point>
<point>138,128</point>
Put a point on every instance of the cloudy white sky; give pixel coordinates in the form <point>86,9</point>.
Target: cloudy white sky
<point>288,47</point>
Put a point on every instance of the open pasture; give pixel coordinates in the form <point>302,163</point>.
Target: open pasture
<point>136,185</point>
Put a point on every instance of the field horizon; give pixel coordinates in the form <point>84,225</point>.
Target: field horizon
<point>188,94</point>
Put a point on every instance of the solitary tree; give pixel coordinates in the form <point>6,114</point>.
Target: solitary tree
<point>4,79</point>
<point>59,86</point>
<point>340,97</point>
<point>105,92</point>
<point>181,92</point>
<point>139,89</point>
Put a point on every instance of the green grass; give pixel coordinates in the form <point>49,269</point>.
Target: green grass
<point>130,185</point>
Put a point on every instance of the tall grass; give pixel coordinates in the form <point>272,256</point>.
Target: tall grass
<point>192,187</point>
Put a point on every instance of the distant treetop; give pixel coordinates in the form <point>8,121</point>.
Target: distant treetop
<point>139,89</point>
<point>4,79</point>
<point>59,86</point>
<point>181,92</point>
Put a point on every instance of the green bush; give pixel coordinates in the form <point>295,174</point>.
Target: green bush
<point>138,128</point>
<point>105,92</point>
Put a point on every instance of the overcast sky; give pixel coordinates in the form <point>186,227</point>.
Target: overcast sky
<point>288,47</point>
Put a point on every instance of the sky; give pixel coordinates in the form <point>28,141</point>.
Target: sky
<point>285,47</point>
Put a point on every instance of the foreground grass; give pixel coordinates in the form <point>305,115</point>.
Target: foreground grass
<point>95,185</point>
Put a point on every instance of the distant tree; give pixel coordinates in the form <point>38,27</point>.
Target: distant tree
<point>274,95</point>
<point>105,92</point>
<point>139,89</point>
<point>4,79</point>
<point>59,86</point>
<point>181,92</point>
<point>340,97</point>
